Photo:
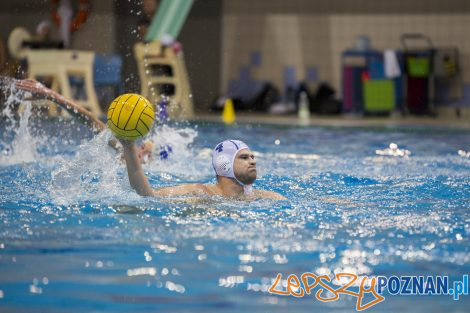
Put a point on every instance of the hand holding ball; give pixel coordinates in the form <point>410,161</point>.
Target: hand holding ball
<point>130,116</point>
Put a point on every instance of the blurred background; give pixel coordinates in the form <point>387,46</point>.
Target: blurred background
<point>363,57</point>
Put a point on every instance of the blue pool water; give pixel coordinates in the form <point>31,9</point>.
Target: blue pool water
<point>75,237</point>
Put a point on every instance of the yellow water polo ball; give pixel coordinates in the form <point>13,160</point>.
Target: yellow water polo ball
<point>130,116</point>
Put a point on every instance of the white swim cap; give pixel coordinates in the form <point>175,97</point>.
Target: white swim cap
<point>223,158</point>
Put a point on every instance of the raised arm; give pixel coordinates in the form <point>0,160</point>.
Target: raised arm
<point>136,174</point>
<point>139,181</point>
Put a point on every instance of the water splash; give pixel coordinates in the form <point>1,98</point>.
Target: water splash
<point>94,173</point>
<point>97,172</point>
<point>24,146</point>
<point>184,161</point>
<point>394,151</point>
<point>464,154</point>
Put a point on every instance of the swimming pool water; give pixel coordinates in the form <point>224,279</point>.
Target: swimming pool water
<point>75,237</point>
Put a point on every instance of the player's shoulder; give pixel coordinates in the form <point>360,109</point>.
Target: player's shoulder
<point>199,189</point>
<point>182,190</point>
<point>269,194</point>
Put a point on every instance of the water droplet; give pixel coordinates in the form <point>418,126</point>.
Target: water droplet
<point>202,257</point>
<point>35,289</point>
<point>198,247</point>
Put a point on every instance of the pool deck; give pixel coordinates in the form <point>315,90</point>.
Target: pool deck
<point>342,120</point>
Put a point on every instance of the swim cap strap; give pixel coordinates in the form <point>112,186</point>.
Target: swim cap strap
<point>247,189</point>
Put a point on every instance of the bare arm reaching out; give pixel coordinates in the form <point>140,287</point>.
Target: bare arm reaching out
<point>39,90</point>
<point>140,184</point>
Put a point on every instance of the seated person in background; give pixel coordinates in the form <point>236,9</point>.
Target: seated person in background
<point>43,31</point>
<point>235,169</point>
<point>149,8</point>
<point>38,90</point>
<point>142,28</point>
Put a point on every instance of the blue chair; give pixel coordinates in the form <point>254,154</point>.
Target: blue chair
<point>107,77</point>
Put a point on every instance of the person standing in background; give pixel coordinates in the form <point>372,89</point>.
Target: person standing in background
<point>149,8</point>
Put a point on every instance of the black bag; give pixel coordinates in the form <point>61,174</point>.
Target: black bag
<point>261,102</point>
<point>324,101</point>
<point>268,95</point>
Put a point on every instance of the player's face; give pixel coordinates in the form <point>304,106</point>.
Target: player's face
<point>244,166</point>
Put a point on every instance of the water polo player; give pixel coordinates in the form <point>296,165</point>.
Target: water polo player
<point>234,165</point>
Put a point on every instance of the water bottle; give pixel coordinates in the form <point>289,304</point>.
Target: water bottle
<point>304,108</point>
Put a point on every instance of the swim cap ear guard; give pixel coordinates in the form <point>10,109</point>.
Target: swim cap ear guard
<point>223,158</point>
